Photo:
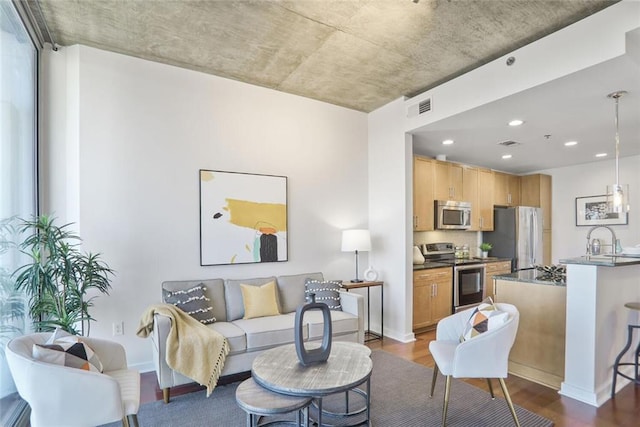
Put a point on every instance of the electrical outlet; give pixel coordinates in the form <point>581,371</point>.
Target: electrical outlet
<point>118,328</point>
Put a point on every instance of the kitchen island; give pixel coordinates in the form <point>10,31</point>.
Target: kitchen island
<point>539,349</point>
<point>596,319</point>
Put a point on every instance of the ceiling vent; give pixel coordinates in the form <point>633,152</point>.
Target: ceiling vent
<point>509,143</point>
<point>424,106</point>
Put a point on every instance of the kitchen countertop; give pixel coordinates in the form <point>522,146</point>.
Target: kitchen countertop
<point>603,260</point>
<point>530,276</point>
<point>435,264</point>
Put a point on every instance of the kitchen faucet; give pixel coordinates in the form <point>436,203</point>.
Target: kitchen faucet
<point>613,238</point>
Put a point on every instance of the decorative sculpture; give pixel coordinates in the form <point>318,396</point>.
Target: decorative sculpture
<point>315,355</point>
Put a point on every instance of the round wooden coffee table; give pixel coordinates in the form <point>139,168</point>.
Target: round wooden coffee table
<point>348,366</point>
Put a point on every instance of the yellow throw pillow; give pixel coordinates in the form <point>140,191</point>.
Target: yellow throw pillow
<point>259,301</point>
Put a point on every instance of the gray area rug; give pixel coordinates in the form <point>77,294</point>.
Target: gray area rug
<point>399,397</point>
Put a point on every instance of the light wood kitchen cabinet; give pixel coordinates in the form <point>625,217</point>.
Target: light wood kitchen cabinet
<point>535,190</point>
<point>478,189</point>
<point>494,269</point>
<point>432,296</point>
<point>447,181</point>
<point>422,194</point>
<point>506,189</point>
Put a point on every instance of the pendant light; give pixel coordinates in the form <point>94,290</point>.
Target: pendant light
<point>617,194</point>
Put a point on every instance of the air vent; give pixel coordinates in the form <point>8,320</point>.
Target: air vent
<point>509,143</point>
<point>424,106</point>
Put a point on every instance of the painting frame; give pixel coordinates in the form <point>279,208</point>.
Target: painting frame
<point>591,210</point>
<point>243,218</point>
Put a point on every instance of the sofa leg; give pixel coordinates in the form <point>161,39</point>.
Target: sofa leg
<point>165,395</point>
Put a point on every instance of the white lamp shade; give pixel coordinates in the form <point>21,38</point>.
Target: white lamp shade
<point>356,240</point>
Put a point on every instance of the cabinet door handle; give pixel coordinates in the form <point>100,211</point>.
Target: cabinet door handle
<point>435,289</point>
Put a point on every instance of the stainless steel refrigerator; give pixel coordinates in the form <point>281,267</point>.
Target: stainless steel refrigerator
<point>517,234</point>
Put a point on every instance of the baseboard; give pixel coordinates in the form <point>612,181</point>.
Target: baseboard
<point>536,375</point>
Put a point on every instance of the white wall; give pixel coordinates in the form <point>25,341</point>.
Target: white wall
<point>390,212</point>
<point>591,179</point>
<point>135,135</point>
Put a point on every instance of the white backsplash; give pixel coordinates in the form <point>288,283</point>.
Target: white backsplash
<point>457,237</point>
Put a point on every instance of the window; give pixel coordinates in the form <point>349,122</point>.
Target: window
<point>18,178</point>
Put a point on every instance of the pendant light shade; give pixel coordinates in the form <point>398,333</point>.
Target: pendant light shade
<point>617,194</point>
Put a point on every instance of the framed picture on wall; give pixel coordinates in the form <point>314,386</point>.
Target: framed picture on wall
<point>593,210</point>
<point>243,218</point>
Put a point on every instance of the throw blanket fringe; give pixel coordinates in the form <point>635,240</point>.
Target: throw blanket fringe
<point>193,349</point>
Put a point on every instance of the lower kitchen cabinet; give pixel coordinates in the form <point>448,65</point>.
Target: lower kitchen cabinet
<point>492,269</point>
<point>432,296</point>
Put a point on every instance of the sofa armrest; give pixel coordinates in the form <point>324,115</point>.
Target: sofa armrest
<point>353,303</point>
<point>161,327</point>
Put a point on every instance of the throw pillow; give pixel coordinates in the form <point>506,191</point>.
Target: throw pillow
<point>68,351</point>
<point>259,301</point>
<point>486,317</point>
<point>57,334</point>
<point>327,292</point>
<point>192,301</point>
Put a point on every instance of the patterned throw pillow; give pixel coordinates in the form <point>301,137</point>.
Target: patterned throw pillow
<point>68,351</point>
<point>259,301</point>
<point>327,292</point>
<point>192,301</point>
<point>486,317</point>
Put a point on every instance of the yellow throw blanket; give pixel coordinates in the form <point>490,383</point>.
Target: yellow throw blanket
<point>193,349</point>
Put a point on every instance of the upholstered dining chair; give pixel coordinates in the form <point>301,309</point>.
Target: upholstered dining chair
<point>68,396</point>
<point>484,353</point>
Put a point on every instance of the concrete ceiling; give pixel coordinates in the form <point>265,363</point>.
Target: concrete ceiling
<point>360,54</point>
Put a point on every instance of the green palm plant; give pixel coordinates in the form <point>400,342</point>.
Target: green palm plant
<point>59,276</point>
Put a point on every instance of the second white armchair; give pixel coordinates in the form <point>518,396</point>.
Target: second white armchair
<point>486,355</point>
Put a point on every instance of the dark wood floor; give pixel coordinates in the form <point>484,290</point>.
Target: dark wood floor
<point>623,411</point>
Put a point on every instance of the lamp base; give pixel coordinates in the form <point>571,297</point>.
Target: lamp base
<point>356,281</point>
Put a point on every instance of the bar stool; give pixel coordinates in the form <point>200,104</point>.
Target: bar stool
<point>257,401</point>
<point>635,363</point>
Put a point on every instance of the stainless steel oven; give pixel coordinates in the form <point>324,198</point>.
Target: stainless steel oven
<point>468,285</point>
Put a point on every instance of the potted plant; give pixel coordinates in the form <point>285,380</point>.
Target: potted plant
<point>59,276</point>
<point>485,248</point>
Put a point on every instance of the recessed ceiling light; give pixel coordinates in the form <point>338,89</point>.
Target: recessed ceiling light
<point>447,142</point>
<point>506,156</point>
<point>516,122</point>
<point>570,143</point>
<point>601,155</point>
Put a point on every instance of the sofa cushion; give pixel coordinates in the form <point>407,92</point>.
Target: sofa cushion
<point>235,336</point>
<point>326,292</point>
<point>291,290</point>
<point>69,351</point>
<point>259,301</point>
<point>269,331</point>
<point>341,323</point>
<point>192,301</point>
<point>214,290</point>
<point>233,295</point>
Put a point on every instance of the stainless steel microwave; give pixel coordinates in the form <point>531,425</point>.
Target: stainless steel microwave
<point>452,215</point>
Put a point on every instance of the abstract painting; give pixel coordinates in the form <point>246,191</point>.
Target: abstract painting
<point>243,218</point>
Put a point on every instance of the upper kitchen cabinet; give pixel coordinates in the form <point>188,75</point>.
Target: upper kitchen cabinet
<point>478,190</point>
<point>447,181</point>
<point>423,170</point>
<point>506,189</point>
<point>535,190</point>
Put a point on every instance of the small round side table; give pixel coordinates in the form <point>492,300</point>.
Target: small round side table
<point>636,364</point>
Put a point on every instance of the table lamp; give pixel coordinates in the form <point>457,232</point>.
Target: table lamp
<point>356,240</point>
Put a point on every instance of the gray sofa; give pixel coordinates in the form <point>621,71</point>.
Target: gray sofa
<point>249,337</point>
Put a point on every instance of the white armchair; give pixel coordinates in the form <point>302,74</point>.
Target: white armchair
<point>484,356</point>
<point>64,396</point>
